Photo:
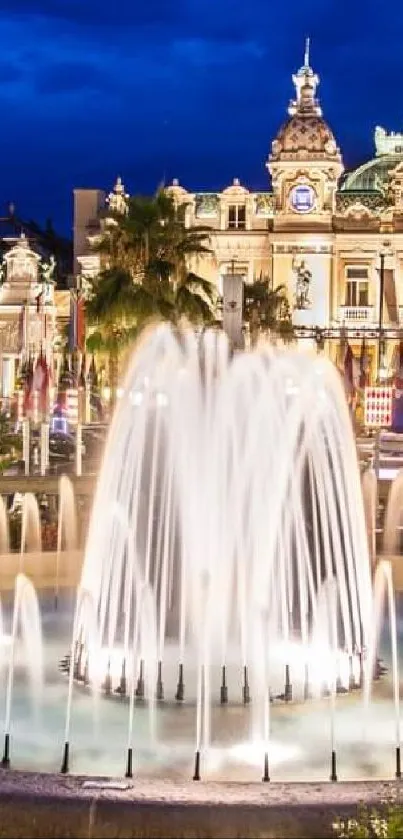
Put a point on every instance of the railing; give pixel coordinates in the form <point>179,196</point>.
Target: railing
<point>356,314</point>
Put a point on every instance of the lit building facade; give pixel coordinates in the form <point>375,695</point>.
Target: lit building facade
<point>333,240</point>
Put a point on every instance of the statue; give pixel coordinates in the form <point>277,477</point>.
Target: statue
<point>48,270</point>
<point>303,282</point>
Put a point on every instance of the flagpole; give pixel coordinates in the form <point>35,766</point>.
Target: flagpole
<point>380,318</point>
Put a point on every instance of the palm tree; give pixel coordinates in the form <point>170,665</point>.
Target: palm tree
<point>266,310</point>
<point>147,256</point>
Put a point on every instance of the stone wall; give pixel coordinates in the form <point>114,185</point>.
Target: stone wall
<point>44,569</point>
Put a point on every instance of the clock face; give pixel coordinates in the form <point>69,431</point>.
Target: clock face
<point>302,198</point>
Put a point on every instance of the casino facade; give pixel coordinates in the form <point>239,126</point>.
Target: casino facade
<point>334,240</point>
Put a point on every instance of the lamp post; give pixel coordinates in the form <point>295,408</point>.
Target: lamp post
<point>381,343</point>
<point>380,313</point>
<point>75,337</point>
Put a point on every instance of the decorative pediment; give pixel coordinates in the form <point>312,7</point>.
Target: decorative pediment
<point>236,190</point>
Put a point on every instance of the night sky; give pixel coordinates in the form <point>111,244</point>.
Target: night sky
<point>194,89</point>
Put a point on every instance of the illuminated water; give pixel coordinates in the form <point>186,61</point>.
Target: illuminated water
<point>228,543</point>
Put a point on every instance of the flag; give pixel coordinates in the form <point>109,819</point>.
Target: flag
<point>27,403</point>
<point>349,369</point>
<point>41,383</point>
<point>363,379</point>
<point>399,368</point>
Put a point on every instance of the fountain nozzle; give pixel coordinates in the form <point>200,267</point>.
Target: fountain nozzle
<point>224,689</point>
<point>266,775</point>
<point>160,685</point>
<point>288,685</point>
<point>129,764</point>
<point>65,763</point>
<point>180,688</point>
<point>333,771</point>
<point>107,685</point>
<point>122,688</point>
<point>6,754</point>
<point>140,682</point>
<point>398,773</point>
<point>245,688</point>
<point>196,776</point>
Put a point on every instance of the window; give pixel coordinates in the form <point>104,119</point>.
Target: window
<point>237,217</point>
<point>357,286</point>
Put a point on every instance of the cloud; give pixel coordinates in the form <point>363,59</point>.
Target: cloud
<point>95,13</point>
<point>201,52</point>
<point>70,77</point>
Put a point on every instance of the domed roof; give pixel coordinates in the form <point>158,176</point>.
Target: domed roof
<point>305,135</point>
<point>375,173</point>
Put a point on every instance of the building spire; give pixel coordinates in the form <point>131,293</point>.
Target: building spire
<point>307,48</point>
<point>306,82</point>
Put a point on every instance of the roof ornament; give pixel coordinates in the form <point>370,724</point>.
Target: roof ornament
<point>118,199</point>
<point>306,82</point>
<point>307,48</point>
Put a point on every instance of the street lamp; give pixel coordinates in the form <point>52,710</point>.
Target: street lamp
<point>381,344</point>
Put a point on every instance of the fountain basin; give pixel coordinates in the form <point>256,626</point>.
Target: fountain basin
<point>50,805</point>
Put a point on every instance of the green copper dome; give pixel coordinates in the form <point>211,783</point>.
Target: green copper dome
<point>374,174</point>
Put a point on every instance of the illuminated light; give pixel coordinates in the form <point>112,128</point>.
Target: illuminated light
<point>136,397</point>
<point>106,393</point>
<point>251,753</point>
<point>161,399</point>
<point>119,392</point>
<point>291,388</point>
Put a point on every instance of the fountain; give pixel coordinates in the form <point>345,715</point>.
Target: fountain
<point>31,539</point>
<point>66,524</point>
<point>225,617</point>
<point>229,495</point>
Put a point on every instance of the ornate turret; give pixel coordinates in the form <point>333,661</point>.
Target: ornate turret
<point>305,135</point>
<point>118,199</point>
<point>305,162</point>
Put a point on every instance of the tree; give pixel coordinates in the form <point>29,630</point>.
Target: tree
<point>267,311</point>
<point>148,255</point>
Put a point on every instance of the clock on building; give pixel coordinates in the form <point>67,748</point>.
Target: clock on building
<point>302,198</point>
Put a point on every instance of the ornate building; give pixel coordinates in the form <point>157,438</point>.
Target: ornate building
<point>333,240</point>
<point>33,310</point>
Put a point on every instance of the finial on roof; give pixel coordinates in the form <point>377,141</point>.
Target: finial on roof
<point>118,198</point>
<point>307,48</point>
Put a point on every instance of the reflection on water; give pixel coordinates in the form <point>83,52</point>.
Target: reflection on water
<point>300,732</point>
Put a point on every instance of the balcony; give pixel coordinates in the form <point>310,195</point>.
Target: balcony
<point>356,314</point>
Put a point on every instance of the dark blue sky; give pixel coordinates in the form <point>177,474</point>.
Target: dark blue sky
<point>194,89</point>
